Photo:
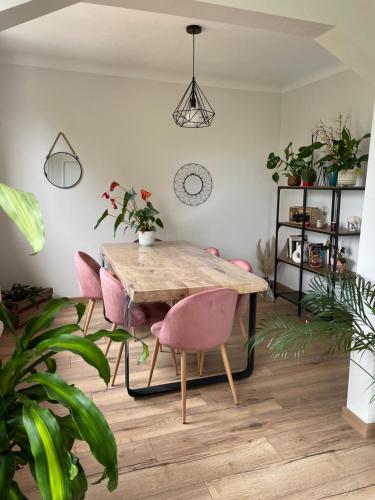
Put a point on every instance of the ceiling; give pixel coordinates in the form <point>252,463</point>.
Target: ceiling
<point>119,41</point>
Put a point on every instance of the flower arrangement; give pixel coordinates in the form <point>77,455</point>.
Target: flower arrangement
<point>130,215</point>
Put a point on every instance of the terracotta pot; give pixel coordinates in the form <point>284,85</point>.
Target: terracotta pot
<point>294,180</point>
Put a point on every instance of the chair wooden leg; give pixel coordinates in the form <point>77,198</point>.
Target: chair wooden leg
<point>153,361</point>
<point>243,331</point>
<point>113,327</point>
<point>198,360</point>
<point>183,385</point>
<point>90,309</point>
<point>119,355</point>
<point>173,354</point>
<point>229,373</point>
<point>201,364</point>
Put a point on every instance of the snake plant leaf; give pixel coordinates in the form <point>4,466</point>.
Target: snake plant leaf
<point>89,419</point>
<point>52,462</point>
<point>89,351</point>
<point>7,470</point>
<point>15,493</point>
<point>54,332</point>
<point>44,319</point>
<point>24,210</point>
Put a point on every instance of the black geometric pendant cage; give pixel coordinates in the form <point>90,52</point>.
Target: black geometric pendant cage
<point>193,110</point>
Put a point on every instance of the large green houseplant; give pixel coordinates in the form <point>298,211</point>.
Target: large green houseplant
<point>340,310</point>
<point>30,433</point>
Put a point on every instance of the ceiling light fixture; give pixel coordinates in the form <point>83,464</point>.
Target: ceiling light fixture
<point>193,110</point>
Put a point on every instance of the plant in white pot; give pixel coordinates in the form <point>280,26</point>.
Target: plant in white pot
<point>143,220</point>
<point>343,152</point>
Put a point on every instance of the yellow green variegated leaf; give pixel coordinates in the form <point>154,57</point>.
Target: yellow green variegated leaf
<point>24,210</point>
<point>53,333</point>
<point>89,351</point>
<point>89,420</point>
<point>52,461</point>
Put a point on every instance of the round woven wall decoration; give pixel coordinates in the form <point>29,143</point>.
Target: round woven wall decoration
<point>192,184</point>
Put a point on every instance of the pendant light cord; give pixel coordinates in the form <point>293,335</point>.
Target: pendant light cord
<point>194,55</point>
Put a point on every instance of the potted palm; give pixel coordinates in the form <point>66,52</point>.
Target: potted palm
<point>306,155</point>
<point>143,220</point>
<point>345,161</point>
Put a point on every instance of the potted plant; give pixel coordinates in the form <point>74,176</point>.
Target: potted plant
<point>306,155</point>
<point>24,301</point>
<point>290,166</point>
<point>342,152</point>
<point>143,220</point>
<point>339,314</point>
<point>34,435</point>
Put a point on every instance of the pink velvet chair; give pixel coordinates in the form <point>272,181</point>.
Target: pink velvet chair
<point>89,283</point>
<point>243,300</point>
<point>140,315</point>
<point>196,324</point>
<point>213,251</point>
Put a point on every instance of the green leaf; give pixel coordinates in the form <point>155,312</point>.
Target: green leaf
<point>53,333</point>
<point>80,308</point>
<point>275,177</point>
<point>52,462</point>
<point>24,210</point>
<point>6,317</point>
<point>4,439</point>
<point>15,493</point>
<point>79,483</point>
<point>89,419</point>
<point>120,335</point>
<point>159,222</point>
<point>7,470</point>
<point>119,220</point>
<point>101,218</point>
<point>83,347</point>
<point>44,319</point>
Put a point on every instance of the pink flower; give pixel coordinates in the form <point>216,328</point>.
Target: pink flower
<point>105,195</point>
<point>113,185</point>
<point>113,203</point>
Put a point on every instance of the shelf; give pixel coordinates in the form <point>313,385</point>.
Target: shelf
<point>291,296</point>
<point>323,188</point>
<point>306,267</point>
<point>320,230</point>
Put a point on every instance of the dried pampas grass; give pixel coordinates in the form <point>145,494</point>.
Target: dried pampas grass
<point>266,257</point>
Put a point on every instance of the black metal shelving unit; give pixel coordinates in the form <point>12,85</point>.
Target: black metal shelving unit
<point>296,296</point>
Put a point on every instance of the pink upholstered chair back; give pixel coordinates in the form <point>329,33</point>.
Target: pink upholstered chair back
<point>113,297</point>
<point>88,276</point>
<point>243,300</point>
<point>201,321</point>
<point>213,251</point>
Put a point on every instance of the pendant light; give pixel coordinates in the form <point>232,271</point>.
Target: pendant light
<point>193,110</point>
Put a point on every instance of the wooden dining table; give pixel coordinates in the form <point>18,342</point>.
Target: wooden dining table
<point>169,271</point>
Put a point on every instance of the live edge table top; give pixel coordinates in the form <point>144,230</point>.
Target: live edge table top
<point>171,270</point>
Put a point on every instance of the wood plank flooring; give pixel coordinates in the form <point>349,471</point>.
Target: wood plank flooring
<point>285,440</point>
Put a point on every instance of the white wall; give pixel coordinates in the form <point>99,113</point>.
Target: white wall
<point>300,113</point>
<point>122,130</point>
<point>360,388</point>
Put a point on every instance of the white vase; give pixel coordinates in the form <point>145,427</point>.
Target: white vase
<point>347,178</point>
<point>146,238</point>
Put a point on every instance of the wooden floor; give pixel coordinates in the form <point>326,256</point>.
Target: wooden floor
<point>285,440</point>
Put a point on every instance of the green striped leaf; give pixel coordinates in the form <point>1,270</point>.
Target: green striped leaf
<point>54,332</point>
<point>45,318</point>
<point>81,346</point>
<point>79,483</point>
<point>52,462</point>
<point>24,210</point>
<point>120,335</point>
<point>15,493</point>
<point>7,470</point>
<point>88,418</point>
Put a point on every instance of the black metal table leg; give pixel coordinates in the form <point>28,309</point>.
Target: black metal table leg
<point>201,381</point>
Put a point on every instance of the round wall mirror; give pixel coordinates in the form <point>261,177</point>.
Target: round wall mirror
<point>63,170</point>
